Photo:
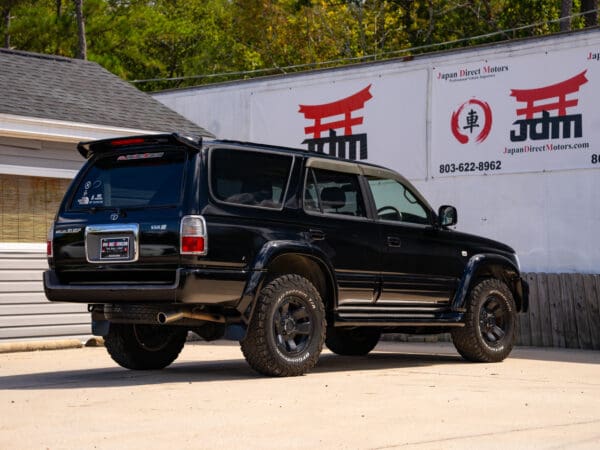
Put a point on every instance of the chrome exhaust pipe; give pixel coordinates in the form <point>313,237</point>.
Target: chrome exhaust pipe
<point>165,318</point>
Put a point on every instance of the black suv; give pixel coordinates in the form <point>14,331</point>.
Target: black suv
<point>281,249</point>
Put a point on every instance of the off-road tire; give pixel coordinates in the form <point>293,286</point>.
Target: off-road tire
<point>352,341</point>
<point>490,323</point>
<point>286,332</point>
<point>144,347</point>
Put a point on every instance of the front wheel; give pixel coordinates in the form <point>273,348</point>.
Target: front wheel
<point>144,347</point>
<point>490,323</point>
<point>286,333</point>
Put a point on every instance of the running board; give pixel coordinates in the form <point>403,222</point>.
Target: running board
<point>352,318</point>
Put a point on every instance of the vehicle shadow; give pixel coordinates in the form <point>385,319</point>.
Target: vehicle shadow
<point>208,371</point>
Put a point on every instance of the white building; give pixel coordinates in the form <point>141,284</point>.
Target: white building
<point>47,105</point>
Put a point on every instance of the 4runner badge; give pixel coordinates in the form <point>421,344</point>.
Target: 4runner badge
<point>114,216</point>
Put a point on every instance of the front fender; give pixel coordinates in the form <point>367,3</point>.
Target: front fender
<point>270,251</point>
<point>493,265</point>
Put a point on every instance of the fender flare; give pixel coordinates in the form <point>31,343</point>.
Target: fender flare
<point>502,268</point>
<point>264,257</point>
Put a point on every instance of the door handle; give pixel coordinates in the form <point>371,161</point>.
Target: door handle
<point>393,241</point>
<point>316,235</point>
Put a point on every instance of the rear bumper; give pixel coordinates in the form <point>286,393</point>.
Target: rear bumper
<point>202,286</point>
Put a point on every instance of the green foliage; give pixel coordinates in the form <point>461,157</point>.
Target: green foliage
<point>157,39</point>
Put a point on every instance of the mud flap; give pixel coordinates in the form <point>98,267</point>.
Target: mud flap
<point>100,327</point>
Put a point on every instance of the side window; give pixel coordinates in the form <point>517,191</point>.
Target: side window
<point>395,202</point>
<point>333,193</point>
<point>249,178</point>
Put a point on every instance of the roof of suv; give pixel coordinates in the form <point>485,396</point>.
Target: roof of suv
<point>316,160</point>
<point>86,149</point>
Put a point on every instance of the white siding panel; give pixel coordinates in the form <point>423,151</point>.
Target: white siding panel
<point>24,298</point>
<point>7,263</point>
<point>21,286</point>
<point>36,153</point>
<point>44,332</point>
<point>25,313</point>
<point>20,275</point>
<point>47,320</point>
<point>41,308</point>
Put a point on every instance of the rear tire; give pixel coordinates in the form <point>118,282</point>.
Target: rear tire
<point>352,342</point>
<point>490,323</point>
<point>286,333</point>
<point>144,347</point>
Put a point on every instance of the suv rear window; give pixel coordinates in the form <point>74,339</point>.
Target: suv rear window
<point>249,178</point>
<point>150,178</point>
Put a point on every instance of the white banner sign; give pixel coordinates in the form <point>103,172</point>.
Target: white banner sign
<point>522,114</point>
<point>379,118</point>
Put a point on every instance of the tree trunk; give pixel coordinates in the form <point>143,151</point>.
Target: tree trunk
<point>566,8</point>
<point>58,35</point>
<point>6,20</point>
<point>82,45</point>
<point>590,18</point>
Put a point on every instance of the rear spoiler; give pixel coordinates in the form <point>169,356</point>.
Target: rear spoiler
<point>87,149</point>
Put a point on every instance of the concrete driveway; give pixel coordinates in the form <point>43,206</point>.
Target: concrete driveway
<point>400,396</point>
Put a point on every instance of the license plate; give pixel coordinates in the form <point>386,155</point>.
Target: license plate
<point>114,248</point>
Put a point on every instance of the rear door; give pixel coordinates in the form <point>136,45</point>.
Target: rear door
<point>337,223</point>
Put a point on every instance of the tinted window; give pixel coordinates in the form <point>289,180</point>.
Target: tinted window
<point>333,193</point>
<point>395,202</point>
<point>250,178</point>
<point>152,178</point>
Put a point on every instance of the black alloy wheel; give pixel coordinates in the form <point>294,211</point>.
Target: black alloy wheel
<point>286,332</point>
<point>490,323</point>
<point>293,326</point>
<point>494,320</point>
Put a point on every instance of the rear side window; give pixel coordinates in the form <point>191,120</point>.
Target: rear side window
<point>249,178</point>
<point>333,193</point>
<point>152,178</point>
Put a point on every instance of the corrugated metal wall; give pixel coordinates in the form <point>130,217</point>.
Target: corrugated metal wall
<point>25,314</point>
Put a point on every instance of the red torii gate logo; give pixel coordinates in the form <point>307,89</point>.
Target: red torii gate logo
<point>546,126</point>
<point>342,111</point>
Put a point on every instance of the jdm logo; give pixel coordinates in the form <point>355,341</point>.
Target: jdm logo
<point>472,119</point>
<point>537,122</point>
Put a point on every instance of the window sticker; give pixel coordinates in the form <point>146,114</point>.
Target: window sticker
<point>84,200</point>
<point>89,197</point>
<point>96,199</point>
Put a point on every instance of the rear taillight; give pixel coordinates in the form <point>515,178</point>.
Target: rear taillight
<point>49,239</point>
<point>193,236</point>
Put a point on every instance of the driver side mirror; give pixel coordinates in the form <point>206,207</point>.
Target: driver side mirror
<point>447,216</point>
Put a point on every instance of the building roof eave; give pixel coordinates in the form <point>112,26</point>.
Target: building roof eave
<point>61,131</point>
